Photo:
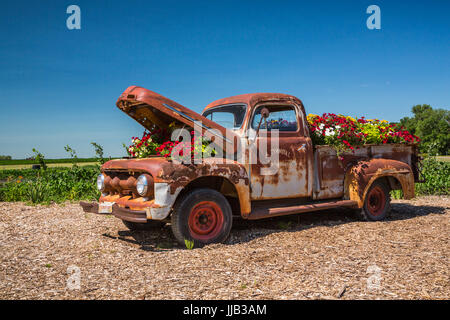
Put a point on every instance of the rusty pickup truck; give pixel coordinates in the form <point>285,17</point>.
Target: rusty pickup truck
<point>200,200</point>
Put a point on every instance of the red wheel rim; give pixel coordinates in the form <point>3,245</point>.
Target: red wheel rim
<point>376,200</point>
<point>205,220</point>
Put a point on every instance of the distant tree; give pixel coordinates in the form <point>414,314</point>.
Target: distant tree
<point>5,158</point>
<point>432,126</point>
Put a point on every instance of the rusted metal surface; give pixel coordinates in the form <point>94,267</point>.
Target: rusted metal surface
<point>252,100</point>
<point>330,171</point>
<point>291,177</point>
<point>150,108</point>
<point>138,203</point>
<point>131,215</point>
<point>361,176</point>
<point>91,207</point>
<point>269,212</point>
<point>303,172</point>
<point>175,176</point>
<point>294,172</point>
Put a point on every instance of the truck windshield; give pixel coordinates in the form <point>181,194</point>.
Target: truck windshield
<point>228,116</point>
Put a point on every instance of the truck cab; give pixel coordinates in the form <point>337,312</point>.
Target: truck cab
<point>269,167</point>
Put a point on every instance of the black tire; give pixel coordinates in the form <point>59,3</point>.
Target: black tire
<point>377,204</point>
<point>150,225</point>
<point>202,211</point>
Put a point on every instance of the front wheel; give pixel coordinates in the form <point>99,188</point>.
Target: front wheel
<point>203,216</point>
<point>377,203</point>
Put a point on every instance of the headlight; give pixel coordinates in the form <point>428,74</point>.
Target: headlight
<point>142,185</point>
<point>101,182</point>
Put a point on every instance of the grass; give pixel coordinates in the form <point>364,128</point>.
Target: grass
<point>52,185</point>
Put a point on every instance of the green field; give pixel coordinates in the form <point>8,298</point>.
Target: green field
<point>50,165</point>
<point>18,164</point>
<point>47,161</point>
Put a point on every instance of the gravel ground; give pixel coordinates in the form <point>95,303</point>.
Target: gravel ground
<point>321,255</point>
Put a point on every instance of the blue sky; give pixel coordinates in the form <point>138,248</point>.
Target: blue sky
<point>59,86</point>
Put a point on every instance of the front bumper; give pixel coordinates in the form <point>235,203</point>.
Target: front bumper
<point>139,209</point>
<point>119,212</point>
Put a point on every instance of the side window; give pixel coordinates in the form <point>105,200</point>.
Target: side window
<point>283,118</point>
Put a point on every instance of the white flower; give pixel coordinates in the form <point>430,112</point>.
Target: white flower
<point>329,132</point>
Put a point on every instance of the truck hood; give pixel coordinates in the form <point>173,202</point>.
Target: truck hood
<point>151,109</point>
<point>151,165</point>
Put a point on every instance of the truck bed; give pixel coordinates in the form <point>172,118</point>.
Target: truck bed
<point>329,170</point>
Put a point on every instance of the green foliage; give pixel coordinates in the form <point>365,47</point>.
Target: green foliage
<point>125,147</point>
<point>99,152</point>
<point>397,194</point>
<point>40,159</point>
<point>36,191</point>
<point>73,155</point>
<point>437,177</point>
<point>432,126</point>
<point>5,157</point>
<point>52,185</point>
<point>189,244</point>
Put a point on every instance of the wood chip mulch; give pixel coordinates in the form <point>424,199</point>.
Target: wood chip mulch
<point>321,255</point>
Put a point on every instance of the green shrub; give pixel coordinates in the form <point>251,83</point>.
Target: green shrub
<point>52,185</point>
<point>437,177</point>
<point>99,152</point>
<point>36,191</point>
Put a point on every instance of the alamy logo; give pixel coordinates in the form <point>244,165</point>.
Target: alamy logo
<point>74,280</point>
<point>374,20</point>
<point>374,281</point>
<point>74,20</point>
<point>264,150</point>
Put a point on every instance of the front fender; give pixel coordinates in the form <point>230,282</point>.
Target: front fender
<point>178,176</point>
<point>360,177</point>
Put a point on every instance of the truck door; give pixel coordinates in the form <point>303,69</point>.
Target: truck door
<point>290,177</point>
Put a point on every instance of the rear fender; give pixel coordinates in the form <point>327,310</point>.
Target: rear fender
<point>360,177</point>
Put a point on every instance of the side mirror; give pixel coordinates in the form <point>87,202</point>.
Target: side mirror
<point>264,115</point>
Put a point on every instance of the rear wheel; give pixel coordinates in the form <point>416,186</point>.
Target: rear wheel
<point>203,216</point>
<point>149,225</point>
<point>377,203</point>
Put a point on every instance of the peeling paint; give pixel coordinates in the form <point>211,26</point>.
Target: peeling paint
<point>313,176</point>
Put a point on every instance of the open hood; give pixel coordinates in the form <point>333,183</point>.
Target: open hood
<point>152,109</point>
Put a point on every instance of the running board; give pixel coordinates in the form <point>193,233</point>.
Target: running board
<point>267,212</point>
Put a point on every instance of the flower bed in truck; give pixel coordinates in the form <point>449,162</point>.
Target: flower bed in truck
<point>157,142</point>
<point>345,133</point>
